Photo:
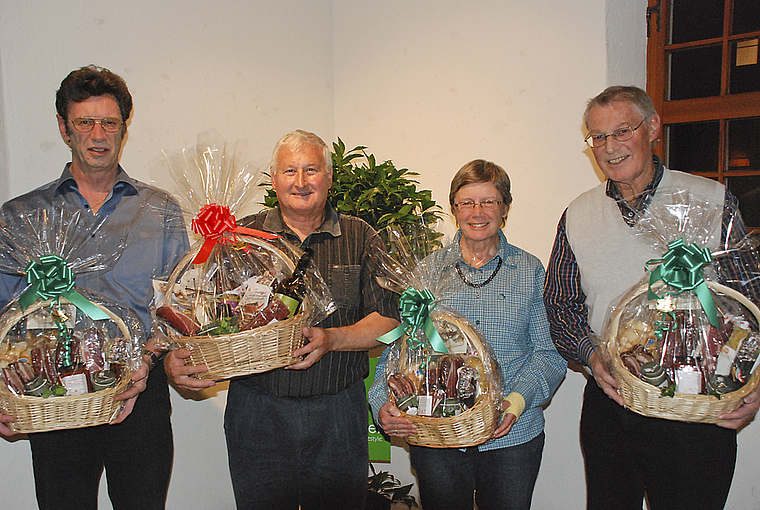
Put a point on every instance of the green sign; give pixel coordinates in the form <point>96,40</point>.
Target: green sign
<point>379,448</point>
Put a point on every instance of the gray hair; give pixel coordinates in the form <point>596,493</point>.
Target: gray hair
<point>634,96</point>
<point>295,141</point>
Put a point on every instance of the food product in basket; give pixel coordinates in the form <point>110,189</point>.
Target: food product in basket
<point>45,354</point>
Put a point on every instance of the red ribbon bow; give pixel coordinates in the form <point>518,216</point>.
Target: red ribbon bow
<point>213,222</point>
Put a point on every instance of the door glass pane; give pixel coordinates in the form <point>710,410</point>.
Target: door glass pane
<point>692,20</point>
<point>746,16</point>
<point>695,73</point>
<point>744,144</point>
<point>745,70</point>
<point>747,190</point>
<point>693,147</point>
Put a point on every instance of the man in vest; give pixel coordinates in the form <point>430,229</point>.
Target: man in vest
<point>596,257</point>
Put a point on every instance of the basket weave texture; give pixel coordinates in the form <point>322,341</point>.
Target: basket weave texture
<point>247,352</point>
<point>37,414</point>
<point>646,399</point>
<point>470,428</point>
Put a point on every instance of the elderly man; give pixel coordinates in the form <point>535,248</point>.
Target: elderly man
<point>298,436</point>
<point>596,257</point>
<point>93,106</point>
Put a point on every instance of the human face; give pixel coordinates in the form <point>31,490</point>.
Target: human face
<point>96,151</point>
<point>479,224</point>
<point>629,163</point>
<point>301,181</point>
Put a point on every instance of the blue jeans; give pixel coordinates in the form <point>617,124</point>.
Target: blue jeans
<point>501,479</point>
<point>286,452</point>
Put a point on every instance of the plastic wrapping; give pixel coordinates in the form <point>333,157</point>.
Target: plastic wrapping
<point>232,280</point>
<point>679,328</point>
<point>438,365</point>
<point>57,339</point>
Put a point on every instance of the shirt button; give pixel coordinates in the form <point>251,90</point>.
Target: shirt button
<point>477,323</point>
<point>477,296</point>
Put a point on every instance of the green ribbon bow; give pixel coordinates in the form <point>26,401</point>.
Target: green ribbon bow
<point>415,309</point>
<point>682,268</point>
<point>51,278</point>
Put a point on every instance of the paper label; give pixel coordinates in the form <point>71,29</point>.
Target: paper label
<point>256,292</point>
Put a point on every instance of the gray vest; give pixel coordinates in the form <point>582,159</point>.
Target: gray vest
<point>610,255</point>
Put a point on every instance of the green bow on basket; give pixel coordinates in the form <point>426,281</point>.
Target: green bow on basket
<point>415,307</point>
<point>682,268</point>
<point>52,278</point>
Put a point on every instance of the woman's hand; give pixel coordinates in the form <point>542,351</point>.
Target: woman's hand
<point>392,422</point>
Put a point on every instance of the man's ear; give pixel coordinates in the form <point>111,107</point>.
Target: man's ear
<point>64,129</point>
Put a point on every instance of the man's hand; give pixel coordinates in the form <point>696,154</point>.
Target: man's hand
<point>180,375</point>
<point>606,382</point>
<point>744,414</point>
<point>136,386</point>
<point>392,422</point>
<point>5,429</point>
<point>319,343</point>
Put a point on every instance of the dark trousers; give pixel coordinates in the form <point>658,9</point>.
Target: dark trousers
<point>678,465</point>
<point>136,454</point>
<point>286,452</point>
<point>501,479</point>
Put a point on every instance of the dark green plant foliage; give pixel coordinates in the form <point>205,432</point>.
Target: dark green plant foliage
<point>379,193</point>
<point>389,487</point>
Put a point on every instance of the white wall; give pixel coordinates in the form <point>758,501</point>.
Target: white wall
<point>430,85</point>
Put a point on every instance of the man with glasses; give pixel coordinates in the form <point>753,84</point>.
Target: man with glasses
<point>136,450</point>
<point>596,257</point>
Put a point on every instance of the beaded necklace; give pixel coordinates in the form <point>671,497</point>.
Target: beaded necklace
<point>483,283</point>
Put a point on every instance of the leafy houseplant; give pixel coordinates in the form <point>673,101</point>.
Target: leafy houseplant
<point>379,193</point>
<point>386,492</point>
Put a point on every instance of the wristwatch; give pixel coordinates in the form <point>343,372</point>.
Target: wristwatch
<point>154,357</point>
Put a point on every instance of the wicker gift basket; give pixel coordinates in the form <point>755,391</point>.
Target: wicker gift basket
<point>472,426</point>
<point>244,352</point>
<point>41,414</point>
<point>681,345</point>
<point>44,317</point>
<point>648,400</point>
<point>225,287</point>
<point>442,374</point>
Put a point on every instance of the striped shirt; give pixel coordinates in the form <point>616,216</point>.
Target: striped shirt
<point>563,294</point>
<point>341,246</point>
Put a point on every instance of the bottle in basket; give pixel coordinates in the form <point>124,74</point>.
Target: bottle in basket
<point>72,372</point>
<point>291,290</point>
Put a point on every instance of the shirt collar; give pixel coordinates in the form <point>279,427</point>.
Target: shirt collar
<point>503,251</point>
<point>124,185</point>
<point>630,211</point>
<point>273,222</point>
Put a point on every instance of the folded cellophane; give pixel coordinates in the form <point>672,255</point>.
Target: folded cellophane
<point>683,330</point>
<point>228,283</point>
<point>438,364</point>
<point>56,338</point>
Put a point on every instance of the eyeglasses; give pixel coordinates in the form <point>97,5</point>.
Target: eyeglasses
<point>597,140</point>
<point>87,124</point>
<point>486,205</point>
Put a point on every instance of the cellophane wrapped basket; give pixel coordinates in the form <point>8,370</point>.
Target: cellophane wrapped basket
<point>440,371</point>
<point>65,353</point>
<point>681,345</point>
<point>222,301</point>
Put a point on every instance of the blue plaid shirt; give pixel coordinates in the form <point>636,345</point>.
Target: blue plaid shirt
<point>510,313</point>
